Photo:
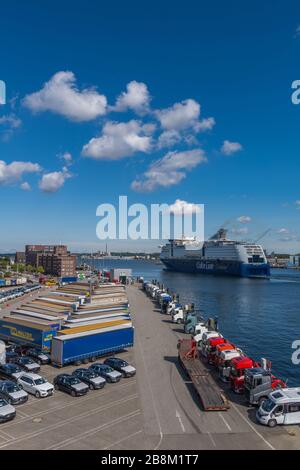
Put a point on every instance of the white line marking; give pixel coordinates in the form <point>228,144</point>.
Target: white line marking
<point>63,406</point>
<point>122,440</point>
<point>212,440</point>
<point>92,431</point>
<point>73,419</point>
<point>225,422</point>
<point>253,428</point>
<point>180,420</point>
<point>5,434</point>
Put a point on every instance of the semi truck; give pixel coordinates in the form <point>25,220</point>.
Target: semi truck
<point>28,333</point>
<point>237,372</point>
<point>259,383</point>
<point>86,343</point>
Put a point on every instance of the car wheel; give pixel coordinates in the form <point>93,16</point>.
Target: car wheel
<point>179,321</point>
<point>37,395</point>
<point>92,387</point>
<point>123,374</point>
<point>272,423</point>
<point>73,393</point>
<point>56,387</point>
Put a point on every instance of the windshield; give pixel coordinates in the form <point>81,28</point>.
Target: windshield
<point>90,374</point>
<point>40,381</point>
<point>74,381</point>
<point>12,388</point>
<point>2,403</point>
<point>26,360</point>
<point>268,405</point>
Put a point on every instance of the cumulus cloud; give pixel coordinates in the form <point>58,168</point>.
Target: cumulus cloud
<point>244,219</point>
<point>183,115</point>
<point>229,148</point>
<point>25,186</point>
<point>60,95</point>
<point>66,157</point>
<point>188,208</point>
<point>283,230</point>
<point>13,172</point>
<point>52,182</point>
<point>136,97</point>
<point>168,138</point>
<point>119,140</point>
<point>169,170</point>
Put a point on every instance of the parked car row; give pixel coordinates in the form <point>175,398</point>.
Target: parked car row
<point>12,294</point>
<point>19,379</point>
<point>94,377</point>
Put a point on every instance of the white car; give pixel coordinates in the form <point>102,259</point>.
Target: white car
<point>36,385</point>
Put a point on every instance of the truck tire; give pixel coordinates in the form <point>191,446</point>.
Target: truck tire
<point>179,321</point>
<point>272,423</point>
<point>261,400</point>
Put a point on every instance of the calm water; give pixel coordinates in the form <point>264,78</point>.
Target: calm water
<point>260,316</point>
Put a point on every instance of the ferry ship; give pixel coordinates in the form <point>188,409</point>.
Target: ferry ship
<point>218,255</point>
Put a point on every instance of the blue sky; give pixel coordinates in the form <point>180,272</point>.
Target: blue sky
<point>184,100</point>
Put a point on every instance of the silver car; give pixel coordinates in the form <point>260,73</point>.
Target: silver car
<point>7,411</point>
<point>12,392</point>
<point>36,385</point>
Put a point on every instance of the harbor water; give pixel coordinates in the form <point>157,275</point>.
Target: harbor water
<point>261,316</point>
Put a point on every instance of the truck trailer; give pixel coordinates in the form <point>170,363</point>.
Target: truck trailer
<point>28,333</point>
<point>87,343</point>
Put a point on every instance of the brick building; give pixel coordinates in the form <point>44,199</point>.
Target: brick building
<point>55,259</point>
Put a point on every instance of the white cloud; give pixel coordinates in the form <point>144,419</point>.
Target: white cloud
<point>228,148</point>
<point>13,172</point>
<point>244,219</point>
<point>25,186</point>
<point>168,138</point>
<point>182,116</point>
<point>52,182</point>
<point>11,121</point>
<point>179,207</point>
<point>169,170</point>
<point>60,95</point>
<point>119,140</point>
<point>66,157</point>
<point>283,230</point>
<point>298,203</point>
<point>136,97</point>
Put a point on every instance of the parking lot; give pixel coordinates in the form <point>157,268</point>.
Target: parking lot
<point>101,419</point>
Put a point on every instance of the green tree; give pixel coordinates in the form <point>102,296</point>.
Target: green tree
<point>29,268</point>
<point>40,270</point>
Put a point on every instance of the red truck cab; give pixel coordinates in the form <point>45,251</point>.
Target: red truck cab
<point>212,348</point>
<point>237,372</point>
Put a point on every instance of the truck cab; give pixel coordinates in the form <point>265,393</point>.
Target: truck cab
<point>225,363</point>
<point>259,383</point>
<point>178,314</point>
<point>226,347</point>
<point>210,347</point>
<point>281,407</point>
<point>200,329</point>
<point>237,372</point>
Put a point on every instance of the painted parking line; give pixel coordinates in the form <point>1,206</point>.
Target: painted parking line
<point>64,405</point>
<point>72,419</point>
<point>93,431</point>
<point>122,440</point>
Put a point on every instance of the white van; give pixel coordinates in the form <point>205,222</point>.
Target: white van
<point>281,407</point>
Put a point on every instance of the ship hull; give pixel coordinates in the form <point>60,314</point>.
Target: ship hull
<point>218,267</point>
